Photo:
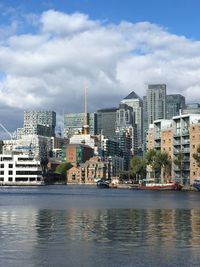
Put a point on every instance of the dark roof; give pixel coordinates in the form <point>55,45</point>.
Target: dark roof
<point>132,95</point>
<point>107,110</point>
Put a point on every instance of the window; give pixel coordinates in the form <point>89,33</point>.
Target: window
<point>10,179</point>
<point>10,172</point>
<point>10,165</point>
<point>1,165</point>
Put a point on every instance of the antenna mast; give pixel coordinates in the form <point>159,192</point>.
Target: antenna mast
<point>85,126</point>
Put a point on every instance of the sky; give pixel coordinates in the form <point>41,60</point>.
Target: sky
<point>51,50</point>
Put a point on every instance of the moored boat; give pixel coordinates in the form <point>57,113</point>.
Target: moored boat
<point>103,184</point>
<point>196,184</point>
<point>151,184</point>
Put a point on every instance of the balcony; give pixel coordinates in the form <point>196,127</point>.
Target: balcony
<point>185,142</point>
<point>157,136</point>
<point>177,143</point>
<point>156,145</point>
<point>185,132</point>
<point>177,151</point>
<point>185,150</point>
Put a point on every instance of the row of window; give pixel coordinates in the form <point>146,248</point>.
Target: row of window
<point>21,179</point>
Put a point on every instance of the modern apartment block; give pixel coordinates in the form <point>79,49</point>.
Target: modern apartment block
<point>134,101</point>
<point>40,123</point>
<point>179,137</point>
<point>73,123</point>
<point>174,104</point>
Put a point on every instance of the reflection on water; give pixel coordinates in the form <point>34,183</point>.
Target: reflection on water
<point>100,237</point>
<point>83,226</point>
<point>138,227</point>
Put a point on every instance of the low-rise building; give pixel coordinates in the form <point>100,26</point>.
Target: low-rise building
<point>89,172</point>
<point>20,170</point>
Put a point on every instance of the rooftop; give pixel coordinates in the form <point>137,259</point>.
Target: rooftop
<point>132,95</point>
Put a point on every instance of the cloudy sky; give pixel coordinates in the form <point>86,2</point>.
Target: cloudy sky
<point>51,50</point>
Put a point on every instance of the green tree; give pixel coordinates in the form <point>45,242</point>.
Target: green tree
<point>196,156</point>
<point>138,167</point>
<point>159,162</point>
<point>163,165</point>
<point>63,168</point>
<point>178,161</point>
<point>151,160</point>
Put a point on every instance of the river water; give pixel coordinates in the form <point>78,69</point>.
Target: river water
<point>85,226</point>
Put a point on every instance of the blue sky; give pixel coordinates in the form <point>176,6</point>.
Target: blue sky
<point>51,50</point>
<point>178,16</point>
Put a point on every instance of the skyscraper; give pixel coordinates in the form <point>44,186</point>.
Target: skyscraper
<point>154,106</point>
<point>156,102</point>
<point>174,103</point>
<point>134,101</point>
<point>39,123</point>
<point>106,122</point>
<point>74,122</point>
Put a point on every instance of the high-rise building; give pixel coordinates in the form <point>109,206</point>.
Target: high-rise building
<point>74,122</point>
<point>174,104</point>
<point>40,123</point>
<point>156,102</point>
<point>106,122</point>
<point>191,108</point>
<point>126,132</point>
<point>154,106</point>
<point>134,101</point>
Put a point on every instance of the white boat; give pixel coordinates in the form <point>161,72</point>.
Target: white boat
<point>20,170</point>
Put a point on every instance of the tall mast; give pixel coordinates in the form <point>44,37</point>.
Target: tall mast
<point>85,126</point>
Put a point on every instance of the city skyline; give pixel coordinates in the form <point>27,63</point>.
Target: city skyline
<point>51,51</point>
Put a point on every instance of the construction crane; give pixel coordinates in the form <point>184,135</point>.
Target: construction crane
<point>4,128</point>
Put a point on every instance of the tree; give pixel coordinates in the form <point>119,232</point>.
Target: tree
<point>63,168</point>
<point>44,162</point>
<point>159,162</point>
<point>151,160</point>
<point>178,161</point>
<point>138,167</point>
<point>196,156</point>
<point>164,164</point>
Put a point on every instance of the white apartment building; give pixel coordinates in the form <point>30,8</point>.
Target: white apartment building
<point>20,170</point>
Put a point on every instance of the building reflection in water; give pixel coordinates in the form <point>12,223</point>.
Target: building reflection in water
<point>137,227</point>
<point>46,236</point>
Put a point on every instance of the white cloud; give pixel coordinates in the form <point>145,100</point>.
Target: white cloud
<point>58,23</point>
<point>50,68</point>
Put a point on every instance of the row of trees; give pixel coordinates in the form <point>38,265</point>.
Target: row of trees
<point>160,164</point>
<point>158,161</point>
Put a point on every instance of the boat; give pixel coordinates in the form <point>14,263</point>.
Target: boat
<point>102,184</point>
<point>151,184</point>
<point>196,184</point>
